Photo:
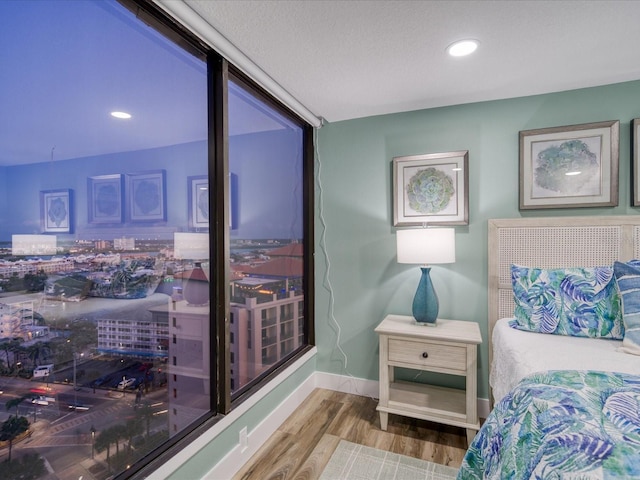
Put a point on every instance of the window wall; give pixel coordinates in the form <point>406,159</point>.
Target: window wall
<point>154,237</point>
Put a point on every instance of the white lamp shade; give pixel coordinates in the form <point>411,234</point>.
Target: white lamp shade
<point>424,246</point>
<point>33,245</point>
<point>191,246</point>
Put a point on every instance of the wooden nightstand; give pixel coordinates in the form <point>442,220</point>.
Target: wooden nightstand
<point>450,347</point>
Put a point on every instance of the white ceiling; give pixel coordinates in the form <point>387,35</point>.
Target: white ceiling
<point>350,59</point>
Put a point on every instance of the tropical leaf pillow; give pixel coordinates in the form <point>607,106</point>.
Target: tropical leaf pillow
<point>628,279</point>
<point>580,302</point>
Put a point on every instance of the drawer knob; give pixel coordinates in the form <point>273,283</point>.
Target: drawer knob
<point>425,355</point>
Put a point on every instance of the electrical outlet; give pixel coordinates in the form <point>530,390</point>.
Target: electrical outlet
<point>244,440</point>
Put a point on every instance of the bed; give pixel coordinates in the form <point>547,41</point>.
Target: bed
<point>566,405</point>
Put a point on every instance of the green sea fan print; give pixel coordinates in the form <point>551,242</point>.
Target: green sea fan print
<point>556,161</point>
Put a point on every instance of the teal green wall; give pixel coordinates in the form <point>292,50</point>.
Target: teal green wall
<point>358,280</point>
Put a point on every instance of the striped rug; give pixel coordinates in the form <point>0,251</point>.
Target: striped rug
<point>351,461</point>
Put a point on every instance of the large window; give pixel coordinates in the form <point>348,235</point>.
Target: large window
<point>155,255</point>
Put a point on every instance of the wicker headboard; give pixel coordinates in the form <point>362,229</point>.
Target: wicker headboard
<point>553,243</point>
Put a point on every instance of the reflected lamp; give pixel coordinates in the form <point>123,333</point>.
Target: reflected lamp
<point>33,245</point>
<point>195,283</point>
<point>425,247</point>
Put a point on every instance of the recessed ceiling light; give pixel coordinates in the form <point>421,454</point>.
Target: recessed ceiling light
<point>121,115</point>
<point>462,48</point>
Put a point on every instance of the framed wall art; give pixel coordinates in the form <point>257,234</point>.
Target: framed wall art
<point>198,197</point>
<point>568,167</point>
<point>635,165</point>
<point>146,197</point>
<point>56,211</point>
<point>431,189</point>
<point>104,197</point>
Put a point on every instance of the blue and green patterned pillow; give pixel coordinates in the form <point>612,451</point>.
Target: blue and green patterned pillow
<point>580,302</point>
<point>628,279</point>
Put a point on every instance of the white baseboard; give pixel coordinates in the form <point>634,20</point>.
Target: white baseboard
<point>237,457</point>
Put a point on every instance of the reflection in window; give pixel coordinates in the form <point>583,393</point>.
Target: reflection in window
<point>101,279</point>
<point>266,263</point>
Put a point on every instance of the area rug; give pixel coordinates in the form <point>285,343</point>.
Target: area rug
<point>357,462</point>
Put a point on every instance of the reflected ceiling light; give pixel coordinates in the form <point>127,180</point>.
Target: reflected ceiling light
<point>124,115</point>
<point>569,174</point>
<point>462,48</point>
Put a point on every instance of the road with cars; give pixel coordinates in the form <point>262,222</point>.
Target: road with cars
<point>62,417</point>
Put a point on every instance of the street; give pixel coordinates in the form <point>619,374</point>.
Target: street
<point>62,436</point>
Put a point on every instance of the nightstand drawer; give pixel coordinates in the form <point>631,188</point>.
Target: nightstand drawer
<point>427,354</point>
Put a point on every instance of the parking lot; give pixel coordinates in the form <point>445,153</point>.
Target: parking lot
<point>111,373</point>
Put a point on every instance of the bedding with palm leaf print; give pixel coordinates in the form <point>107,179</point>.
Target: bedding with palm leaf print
<point>561,425</point>
<point>580,301</point>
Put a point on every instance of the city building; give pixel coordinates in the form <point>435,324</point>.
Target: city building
<point>124,243</point>
<point>17,320</point>
<point>134,337</point>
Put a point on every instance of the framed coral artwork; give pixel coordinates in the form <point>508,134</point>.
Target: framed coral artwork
<point>104,197</point>
<point>431,189</point>
<point>56,211</point>
<point>198,197</point>
<point>146,196</point>
<point>568,167</point>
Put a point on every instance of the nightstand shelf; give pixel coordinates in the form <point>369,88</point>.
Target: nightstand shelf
<point>449,348</point>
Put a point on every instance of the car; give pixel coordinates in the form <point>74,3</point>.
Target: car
<point>41,400</point>
<point>126,383</point>
<point>99,381</point>
<point>78,407</point>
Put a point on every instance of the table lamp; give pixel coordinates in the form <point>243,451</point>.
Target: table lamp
<point>426,246</point>
<point>195,284</point>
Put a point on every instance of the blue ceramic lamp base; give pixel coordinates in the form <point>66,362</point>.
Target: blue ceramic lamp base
<point>425,303</point>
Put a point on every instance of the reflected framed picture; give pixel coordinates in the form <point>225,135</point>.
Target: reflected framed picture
<point>56,211</point>
<point>104,197</point>
<point>568,167</point>
<point>431,189</point>
<point>198,197</point>
<point>635,165</point>
<point>146,197</point>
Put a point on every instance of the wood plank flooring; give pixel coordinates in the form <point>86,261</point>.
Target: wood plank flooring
<point>303,444</point>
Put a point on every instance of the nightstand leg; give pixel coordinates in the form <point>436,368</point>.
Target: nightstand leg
<point>471,433</point>
<point>384,419</point>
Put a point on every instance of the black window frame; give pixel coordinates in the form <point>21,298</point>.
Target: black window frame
<point>219,73</point>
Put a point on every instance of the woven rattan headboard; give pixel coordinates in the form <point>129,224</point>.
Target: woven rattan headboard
<point>553,243</point>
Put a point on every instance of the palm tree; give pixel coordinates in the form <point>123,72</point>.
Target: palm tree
<point>14,402</point>
<point>131,429</point>
<point>120,433</point>
<point>11,429</point>
<point>37,351</point>
<point>11,346</point>
<point>104,441</point>
<point>145,412</point>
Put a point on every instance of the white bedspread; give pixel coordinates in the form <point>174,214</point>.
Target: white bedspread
<point>517,353</point>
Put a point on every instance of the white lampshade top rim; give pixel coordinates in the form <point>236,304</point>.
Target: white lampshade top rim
<point>424,246</point>
<point>192,246</point>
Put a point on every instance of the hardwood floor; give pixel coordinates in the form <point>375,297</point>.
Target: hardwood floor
<point>303,444</point>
